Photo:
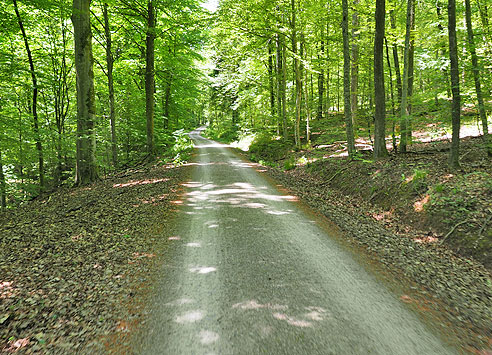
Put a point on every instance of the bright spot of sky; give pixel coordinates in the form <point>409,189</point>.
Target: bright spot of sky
<point>211,5</point>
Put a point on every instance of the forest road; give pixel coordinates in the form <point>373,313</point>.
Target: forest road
<point>251,273</point>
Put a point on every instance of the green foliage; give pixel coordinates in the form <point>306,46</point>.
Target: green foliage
<point>225,133</point>
<point>290,163</point>
<point>182,147</point>
<point>417,180</point>
<point>266,147</point>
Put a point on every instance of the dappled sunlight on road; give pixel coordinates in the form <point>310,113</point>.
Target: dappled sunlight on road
<point>308,318</point>
<point>208,337</point>
<point>190,317</point>
<point>202,269</point>
<point>238,194</point>
<point>193,245</point>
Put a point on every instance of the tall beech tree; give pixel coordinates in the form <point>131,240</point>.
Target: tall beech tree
<point>404,114</point>
<point>455,86</point>
<point>476,77</point>
<point>346,81</point>
<point>34,106</point>
<point>86,169</point>
<point>109,74</point>
<point>354,79</point>
<point>379,91</point>
<point>150,77</point>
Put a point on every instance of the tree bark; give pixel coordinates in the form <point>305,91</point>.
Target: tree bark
<point>149,78</point>
<point>86,170</point>
<point>406,72</point>
<point>346,81</point>
<point>37,136</point>
<point>284,88</point>
<point>109,64</point>
<point>271,81</point>
<point>354,86</point>
<point>321,80</point>
<point>392,96</point>
<point>379,93</point>
<point>455,85</point>
<point>396,59</point>
<point>280,119</point>
<point>297,75</point>
<point>411,74</point>
<point>3,186</point>
<point>476,77</point>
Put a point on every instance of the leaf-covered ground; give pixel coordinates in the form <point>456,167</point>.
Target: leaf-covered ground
<point>72,263</point>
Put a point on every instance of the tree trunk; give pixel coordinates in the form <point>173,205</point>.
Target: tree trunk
<point>271,80</point>
<point>86,170</point>
<point>321,80</point>
<point>284,88</point>
<point>411,75</point>
<point>379,95</point>
<point>167,97</point>
<point>455,85</point>
<point>346,81</point>
<point>406,73</point>
<point>308,109</point>
<point>149,78</point>
<point>37,136</point>
<point>476,77</point>
<point>109,64</point>
<point>279,84</point>
<point>3,186</point>
<point>297,75</point>
<point>396,59</point>
<point>392,95</point>
<point>354,87</point>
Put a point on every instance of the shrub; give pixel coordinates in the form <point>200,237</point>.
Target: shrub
<point>268,148</point>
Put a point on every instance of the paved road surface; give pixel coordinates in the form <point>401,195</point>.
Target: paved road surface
<point>251,273</point>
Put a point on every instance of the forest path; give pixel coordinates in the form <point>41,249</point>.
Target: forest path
<point>252,273</point>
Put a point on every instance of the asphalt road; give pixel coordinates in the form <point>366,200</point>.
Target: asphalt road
<point>252,273</point>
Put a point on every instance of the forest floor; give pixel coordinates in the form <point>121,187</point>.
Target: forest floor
<point>70,260</point>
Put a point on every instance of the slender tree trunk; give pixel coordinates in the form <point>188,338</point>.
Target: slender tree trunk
<point>3,186</point>
<point>86,170</point>
<point>297,74</point>
<point>379,95</point>
<point>411,74</point>
<point>443,47</point>
<point>355,63</point>
<point>396,59</point>
<point>455,85</point>
<point>37,136</point>
<point>346,81</point>
<point>167,99</point>
<point>321,80</point>
<point>109,64</point>
<point>284,88</point>
<point>271,80</point>
<point>149,78</point>
<point>406,73</point>
<point>308,109</point>
<point>392,95</point>
<point>476,77</point>
<point>338,86</point>
<point>279,84</point>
